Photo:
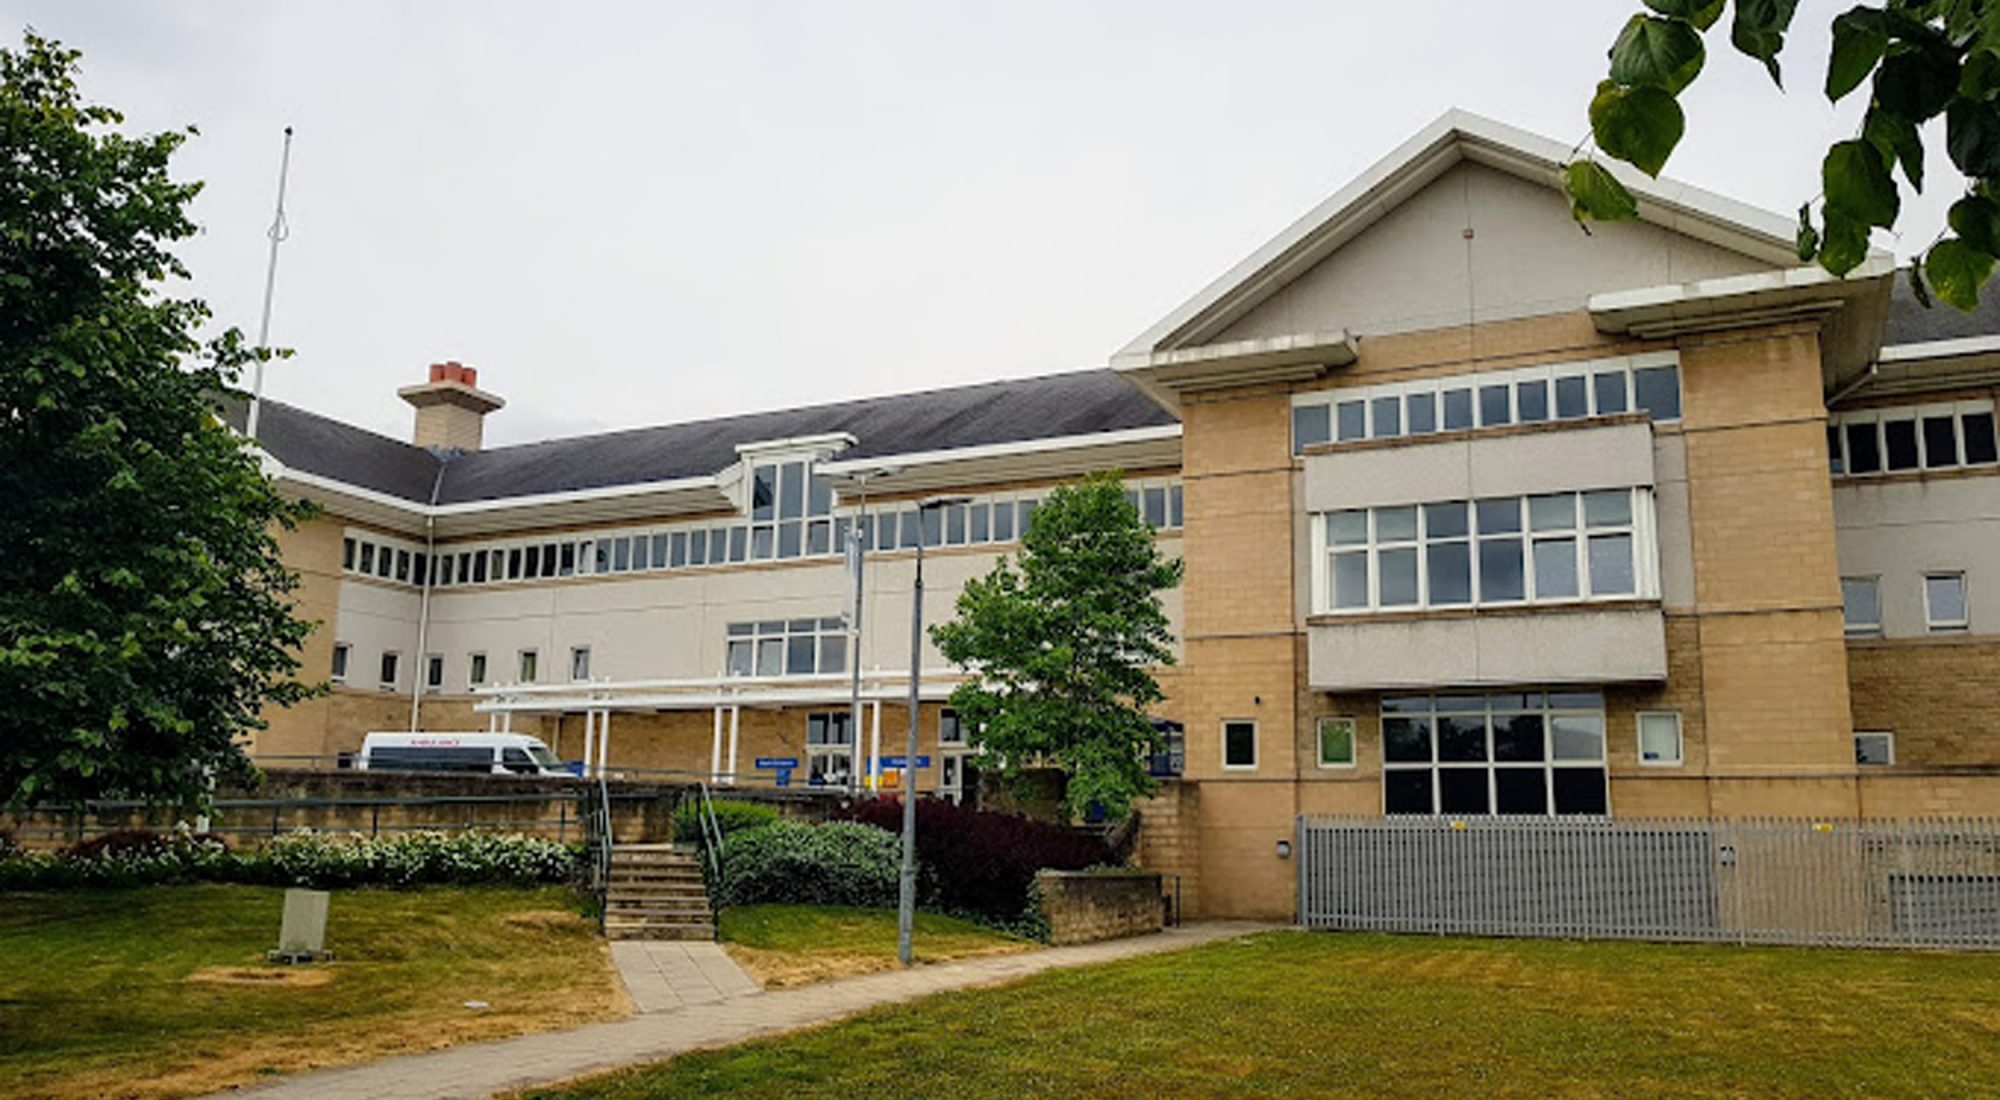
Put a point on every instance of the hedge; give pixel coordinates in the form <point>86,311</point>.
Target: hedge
<point>140,857</point>
<point>839,863</point>
<point>730,817</point>
<point>982,864</point>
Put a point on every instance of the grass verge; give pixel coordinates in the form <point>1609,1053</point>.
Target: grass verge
<point>789,945</point>
<point>1314,1015</point>
<point>162,991</point>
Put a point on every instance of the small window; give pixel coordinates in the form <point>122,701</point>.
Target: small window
<point>1874,750</point>
<point>347,553</point>
<point>1336,742</point>
<point>402,565</point>
<point>529,659</point>
<point>579,662</point>
<point>367,557</point>
<point>1457,410</point>
<point>1861,604</point>
<point>1351,420</point>
<point>340,652</point>
<point>1940,441</point>
<point>434,672</point>
<point>1657,391</point>
<point>1900,437</point>
<point>1311,425</point>
<point>950,732</point>
<point>1609,388</point>
<point>1531,399</point>
<point>1572,397</point>
<point>1423,413</point>
<point>1980,446</point>
<point>475,672</point>
<point>1836,464</point>
<point>1495,406</point>
<point>389,670</point>
<point>1660,738</point>
<point>1944,601</point>
<point>1864,448</point>
<point>1239,744</point>
<point>1386,414</point>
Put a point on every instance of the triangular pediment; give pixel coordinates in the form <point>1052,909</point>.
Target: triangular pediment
<point>1466,223</point>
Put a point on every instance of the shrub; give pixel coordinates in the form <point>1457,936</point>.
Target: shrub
<point>298,859</point>
<point>983,864</point>
<point>839,863</point>
<point>730,817</point>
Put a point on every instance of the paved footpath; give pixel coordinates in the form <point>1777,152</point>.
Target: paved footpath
<point>481,1069</point>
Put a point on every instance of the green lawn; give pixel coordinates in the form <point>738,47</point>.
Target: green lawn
<point>1314,1014</point>
<point>162,991</point>
<point>785,945</point>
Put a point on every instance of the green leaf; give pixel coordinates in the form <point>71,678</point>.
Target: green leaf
<point>1979,76</point>
<point>1759,31</point>
<point>1858,185</point>
<point>1808,237</point>
<point>1845,243</point>
<point>1897,138</point>
<point>1640,125</point>
<point>1957,270</point>
<point>1976,220</point>
<point>1916,83</point>
<point>1656,53</point>
<point>1860,36</point>
<point>1972,137</point>
<point>1595,195</point>
<point>1918,290</point>
<point>1702,13</point>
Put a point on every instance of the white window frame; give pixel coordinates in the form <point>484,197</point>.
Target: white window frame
<point>1932,623</point>
<point>393,659</point>
<point>340,663</point>
<point>1862,630</point>
<point>1680,738</point>
<point>1642,528</point>
<point>1876,418</point>
<point>524,658</point>
<point>1548,765</point>
<point>840,754</point>
<point>433,662</point>
<point>1548,374</point>
<point>476,668</point>
<point>1255,737</point>
<point>1888,739</point>
<point>579,661</point>
<point>1353,742</point>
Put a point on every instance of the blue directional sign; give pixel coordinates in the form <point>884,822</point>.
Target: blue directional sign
<point>784,777</point>
<point>897,761</point>
<point>785,763</point>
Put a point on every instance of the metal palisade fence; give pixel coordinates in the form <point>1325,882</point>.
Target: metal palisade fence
<point>1922,883</point>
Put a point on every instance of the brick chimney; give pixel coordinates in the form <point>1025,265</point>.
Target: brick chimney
<point>451,408</point>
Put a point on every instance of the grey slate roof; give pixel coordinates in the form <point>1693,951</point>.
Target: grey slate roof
<point>965,416</point>
<point>1911,323</point>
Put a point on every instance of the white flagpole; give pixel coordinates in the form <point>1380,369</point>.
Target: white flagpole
<point>278,232</point>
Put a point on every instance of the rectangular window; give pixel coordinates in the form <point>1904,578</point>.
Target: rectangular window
<point>1457,410</point>
<point>979,523</point>
<point>402,565</point>
<point>367,557</point>
<point>1836,463</point>
<point>1980,446</point>
<point>1864,448</point>
<point>383,558</point>
<point>1876,749</point>
<point>794,647</point>
<point>579,662</point>
<point>1572,398</point>
<point>1351,420</point>
<point>791,490</point>
<point>1531,399</point>
<point>763,492</point>
<point>829,748</point>
<point>527,666</point>
<point>1899,440</point>
<point>434,672</point>
<point>1944,602</point>
<point>1861,604</point>
<point>1387,414</point>
<point>1156,507</point>
<point>1660,738</point>
<point>389,669</point>
<point>514,564</point>
<point>475,670</point>
<point>1423,413</point>
<point>1311,426</point>
<point>1495,406</point>
<point>340,654</point>
<point>950,732</point>
<point>1657,391</point>
<point>347,553</point>
<point>1239,744</point>
<point>1940,436</point>
<point>1609,389</point>
<point>1518,752</point>
<point>1336,742</point>
<point>954,524</point>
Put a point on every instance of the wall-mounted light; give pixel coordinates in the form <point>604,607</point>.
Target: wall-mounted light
<point>1284,849</point>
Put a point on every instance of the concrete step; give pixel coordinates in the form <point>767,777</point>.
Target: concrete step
<point>656,870</point>
<point>661,897</point>
<point>695,903</point>
<point>620,929</point>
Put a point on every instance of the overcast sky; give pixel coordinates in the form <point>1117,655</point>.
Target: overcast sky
<point>626,214</point>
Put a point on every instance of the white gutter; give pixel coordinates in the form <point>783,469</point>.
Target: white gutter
<point>1940,349</point>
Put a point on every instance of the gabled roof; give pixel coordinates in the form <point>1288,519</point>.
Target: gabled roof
<point>1455,137</point>
<point>1082,403</point>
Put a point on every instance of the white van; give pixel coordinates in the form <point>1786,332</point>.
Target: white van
<point>479,753</point>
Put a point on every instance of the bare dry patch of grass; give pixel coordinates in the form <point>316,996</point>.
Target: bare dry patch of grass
<point>783,946</point>
<point>161,992</point>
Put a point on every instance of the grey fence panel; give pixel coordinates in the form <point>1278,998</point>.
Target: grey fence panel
<point>1933,883</point>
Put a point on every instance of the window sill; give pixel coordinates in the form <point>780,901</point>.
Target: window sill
<point>1438,614</point>
<point>1937,473</point>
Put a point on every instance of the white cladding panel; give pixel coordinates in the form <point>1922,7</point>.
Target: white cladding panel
<point>1610,456</point>
<point>1618,645</point>
<point>1899,530</point>
<point>1478,245</point>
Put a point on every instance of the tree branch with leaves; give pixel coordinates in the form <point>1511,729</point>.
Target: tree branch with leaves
<point>1061,644</point>
<point>1918,60</point>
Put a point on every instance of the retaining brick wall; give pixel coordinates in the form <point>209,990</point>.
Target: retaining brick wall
<point>1089,906</point>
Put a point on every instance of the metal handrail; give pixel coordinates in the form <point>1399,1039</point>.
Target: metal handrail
<point>711,833</point>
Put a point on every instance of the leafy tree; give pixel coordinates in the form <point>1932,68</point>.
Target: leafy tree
<point>144,618</point>
<point>1061,644</point>
<point>1920,59</point>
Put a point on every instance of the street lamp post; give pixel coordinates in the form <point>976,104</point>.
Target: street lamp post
<point>906,897</point>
